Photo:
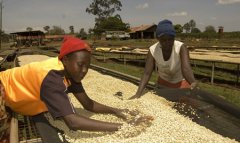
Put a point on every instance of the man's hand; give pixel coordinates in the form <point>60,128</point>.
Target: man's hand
<point>126,114</point>
<point>134,117</point>
<point>194,85</point>
<point>142,119</point>
<point>122,113</point>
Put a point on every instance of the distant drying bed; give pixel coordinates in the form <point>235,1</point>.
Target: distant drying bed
<point>22,60</point>
<point>168,125</point>
<point>199,54</point>
<point>222,56</point>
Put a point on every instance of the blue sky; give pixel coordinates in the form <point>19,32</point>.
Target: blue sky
<point>20,14</point>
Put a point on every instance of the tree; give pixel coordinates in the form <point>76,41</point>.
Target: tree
<point>209,29</point>
<point>195,30</point>
<point>104,8</point>
<point>5,37</point>
<point>110,24</point>
<point>46,28</point>
<point>71,28</point>
<point>187,27</point>
<point>90,31</point>
<point>82,34</point>
<point>192,24</point>
<point>29,29</point>
<point>56,30</point>
<point>178,28</point>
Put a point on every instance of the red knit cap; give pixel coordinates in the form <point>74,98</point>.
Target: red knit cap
<point>71,44</point>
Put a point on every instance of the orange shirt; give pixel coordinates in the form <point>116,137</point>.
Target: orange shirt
<point>23,85</point>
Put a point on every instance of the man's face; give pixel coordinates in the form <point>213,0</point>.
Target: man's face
<point>76,64</point>
<point>166,41</point>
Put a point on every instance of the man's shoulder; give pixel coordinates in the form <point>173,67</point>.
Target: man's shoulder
<point>178,45</point>
<point>155,45</point>
<point>176,42</point>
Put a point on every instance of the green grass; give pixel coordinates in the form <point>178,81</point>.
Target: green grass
<point>218,75</point>
<point>231,95</point>
<point>127,69</point>
<point>223,71</point>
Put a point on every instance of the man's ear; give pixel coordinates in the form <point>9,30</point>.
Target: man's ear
<point>64,60</point>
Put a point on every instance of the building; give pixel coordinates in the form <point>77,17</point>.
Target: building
<point>28,38</point>
<point>143,32</point>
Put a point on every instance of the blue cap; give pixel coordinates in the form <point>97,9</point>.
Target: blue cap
<point>165,27</point>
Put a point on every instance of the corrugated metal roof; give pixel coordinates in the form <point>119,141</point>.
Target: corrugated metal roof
<point>29,33</point>
<point>140,28</point>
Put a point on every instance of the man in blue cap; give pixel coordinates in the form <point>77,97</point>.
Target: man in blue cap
<point>171,57</point>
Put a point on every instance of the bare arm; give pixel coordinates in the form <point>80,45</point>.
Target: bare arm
<point>149,66</point>
<point>186,67</point>
<point>94,106</point>
<point>78,122</point>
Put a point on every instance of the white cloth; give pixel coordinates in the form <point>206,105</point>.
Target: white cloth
<point>168,70</point>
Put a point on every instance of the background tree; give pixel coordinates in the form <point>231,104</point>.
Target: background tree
<point>29,29</point>
<point>192,25</point>
<point>82,34</point>
<point>46,28</point>
<point>178,28</point>
<point>56,30</point>
<point>71,28</point>
<point>196,30</point>
<point>5,37</point>
<point>209,29</point>
<point>104,12</point>
<point>210,32</point>
<point>110,24</point>
<point>103,8</point>
<point>92,36</point>
<point>90,31</point>
<point>186,27</point>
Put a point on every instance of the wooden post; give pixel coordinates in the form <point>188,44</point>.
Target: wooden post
<point>124,60</point>
<point>194,63</point>
<point>14,130</point>
<point>213,68</point>
<point>104,58</point>
<point>237,74</point>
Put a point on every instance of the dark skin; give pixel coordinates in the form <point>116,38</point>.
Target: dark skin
<point>76,67</point>
<point>166,42</point>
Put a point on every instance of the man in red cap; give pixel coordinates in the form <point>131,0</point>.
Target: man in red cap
<point>41,87</point>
